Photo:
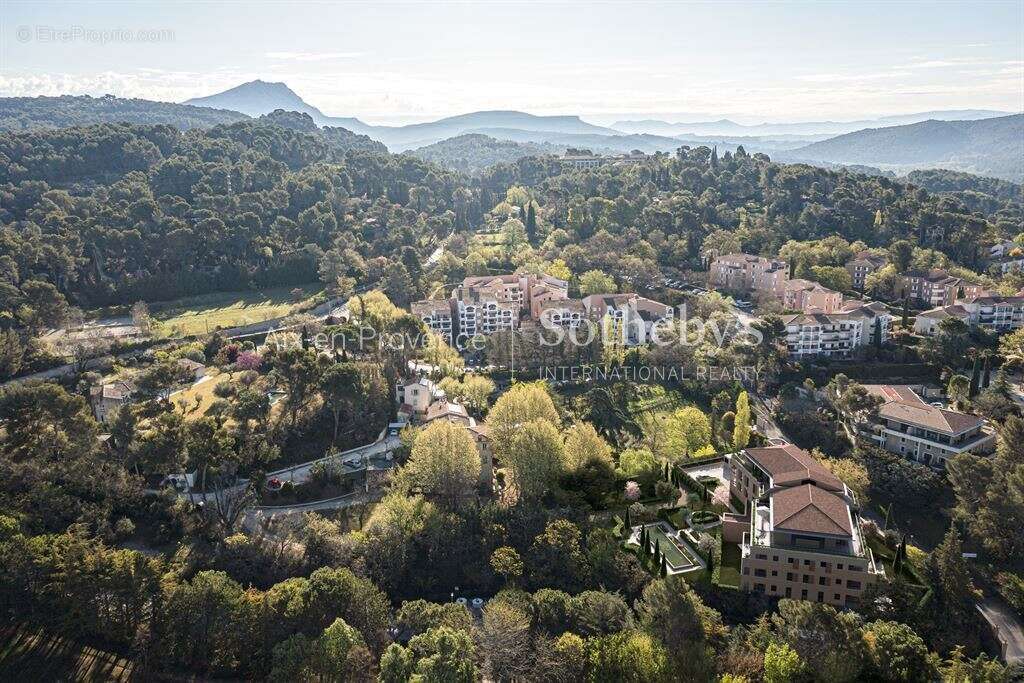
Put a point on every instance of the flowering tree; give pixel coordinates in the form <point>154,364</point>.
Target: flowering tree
<point>248,360</point>
<point>721,495</point>
<point>632,490</point>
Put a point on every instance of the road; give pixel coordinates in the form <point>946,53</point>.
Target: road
<point>300,473</point>
<point>257,517</point>
<point>1007,626</point>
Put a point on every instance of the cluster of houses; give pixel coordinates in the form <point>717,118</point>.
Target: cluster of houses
<point>107,397</point>
<point>487,304</point>
<point>585,159</point>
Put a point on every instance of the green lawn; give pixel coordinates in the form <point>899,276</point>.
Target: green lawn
<point>201,314</point>
<point>729,572</point>
<point>30,654</point>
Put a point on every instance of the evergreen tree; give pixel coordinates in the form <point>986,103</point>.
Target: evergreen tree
<point>975,377</point>
<point>664,567</point>
<point>531,223</point>
<point>878,333</point>
<point>986,375</point>
<point>897,562</point>
<point>714,157</point>
<point>628,525</point>
<point>905,322</point>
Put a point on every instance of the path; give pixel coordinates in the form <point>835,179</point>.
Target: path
<point>257,516</point>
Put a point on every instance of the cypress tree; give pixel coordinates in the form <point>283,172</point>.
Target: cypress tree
<point>975,377</point>
<point>664,567</point>
<point>628,525</point>
<point>878,333</point>
<point>905,322</point>
<point>986,376</point>
<point>531,223</point>
<point>657,551</point>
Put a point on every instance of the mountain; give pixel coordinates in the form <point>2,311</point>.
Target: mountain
<point>256,98</point>
<point>728,127</point>
<point>992,146</point>
<point>31,113</point>
<point>473,152</point>
<point>259,97</point>
<point>340,139</point>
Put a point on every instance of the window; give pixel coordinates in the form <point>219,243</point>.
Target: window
<point>775,589</point>
<point>746,571</point>
<point>759,587</point>
<point>806,578</point>
<point>822,581</point>
<point>775,558</point>
<point>853,585</point>
<point>839,582</point>
<point>789,592</point>
<point>821,597</point>
<point>789,576</point>
<point>761,557</point>
<point>823,564</point>
<point>760,573</point>
<point>837,598</point>
<point>839,565</point>
<point>803,594</point>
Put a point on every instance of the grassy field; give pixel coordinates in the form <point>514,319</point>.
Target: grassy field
<point>30,654</point>
<point>205,313</point>
<point>202,393</point>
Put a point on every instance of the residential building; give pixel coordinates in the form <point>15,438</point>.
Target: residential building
<point>802,536</point>
<point>106,399</point>
<point>1001,249</point>
<point>750,274</point>
<point>872,314</point>
<point>863,264</point>
<point>936,287</point>
<point>436,314</point>
<point>627,317</point>
<point>907,425</point>
<point>988,312</point>
<point>488,303</point>
<point>565,313</point>
<point>804,295</point>
<point>928,322</point>
<point>416,395</point>
<point>822,334</point>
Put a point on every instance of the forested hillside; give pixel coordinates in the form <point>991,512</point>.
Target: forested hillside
<point>473,152</point>
<point>115,213</point>
<point>987,146</point>
<point>28,113</point>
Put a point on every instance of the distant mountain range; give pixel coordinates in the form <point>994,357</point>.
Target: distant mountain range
<point>816,128</point>
<point>991,146</point>
<point>973,140</point>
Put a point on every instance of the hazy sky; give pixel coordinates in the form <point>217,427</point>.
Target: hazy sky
<point>389,61</point>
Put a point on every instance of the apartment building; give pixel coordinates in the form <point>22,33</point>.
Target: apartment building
<point>630,318</point>
<point>436,314</point>
<point>810,297</point>
<point>907,425</point>
<point>928,322</point>
<point>565,313</point>
<point>863,264</point>
<point>821,334</point>
<point>750,274</point>
<point>936,287</point>
<point>801,534</point>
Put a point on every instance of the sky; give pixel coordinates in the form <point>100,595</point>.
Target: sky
<point>390,62</point>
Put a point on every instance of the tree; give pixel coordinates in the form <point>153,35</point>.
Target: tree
<point>445,463</point>
<point>477,391</point>
<point>584,445</point>
<point>535,459</point>
<point>670,611</point>
<point>687,431</point>
<point>506,562</point>
<point>896,653</point>
<point>444,656</point>
<point>629,657</point>
<point>398,284</point>
<point>330,653</point>
<point>901,253</point>
<point>851,473</point>
<point>396,665</point>
<point>341,386</point>
<point>298,373</point>
<point>741,430</point>
<point>782,664</point>
<point>958,389</point>
<point>505,637</point>
<point>833,277</point>
<point>556,558</point>
<point>596,282</point>
<point>517,406</point>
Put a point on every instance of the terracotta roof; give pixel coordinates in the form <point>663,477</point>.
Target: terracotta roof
<point>894,392</point>
<point>943,312</point>
<point>119,390</point>
<point>445,409</point>
<point>788,465</point>
<point>810,509</point>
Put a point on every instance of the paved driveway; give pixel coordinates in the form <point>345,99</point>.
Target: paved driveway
<point>1007,626</point>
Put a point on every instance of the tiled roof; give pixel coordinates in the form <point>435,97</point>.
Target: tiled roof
<point>929,417</point>
<point>810,509</point>
<point>788,465</point>
<point>943,312</point>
